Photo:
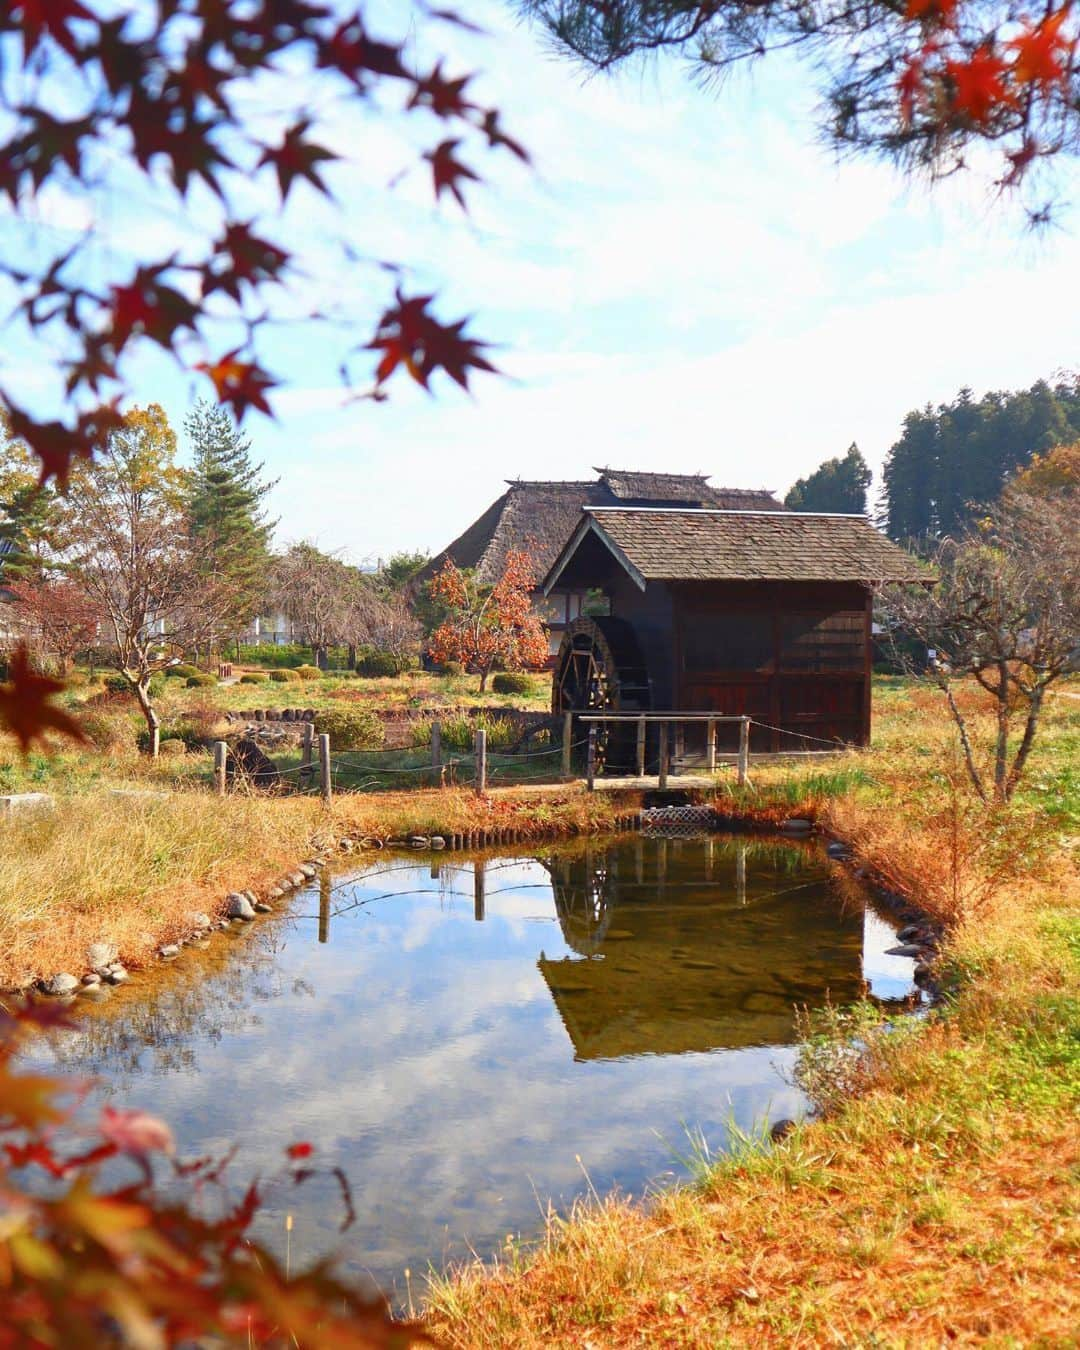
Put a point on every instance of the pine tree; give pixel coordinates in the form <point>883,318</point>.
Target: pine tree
<point>227,522</point>
<point>837,485</point>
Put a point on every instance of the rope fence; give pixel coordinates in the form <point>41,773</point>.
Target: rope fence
<point>323,772</point>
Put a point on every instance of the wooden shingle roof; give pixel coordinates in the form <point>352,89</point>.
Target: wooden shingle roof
<point>541,516</point>
<point>672,544</point>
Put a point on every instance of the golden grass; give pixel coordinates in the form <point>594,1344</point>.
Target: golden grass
<point>130,869</point>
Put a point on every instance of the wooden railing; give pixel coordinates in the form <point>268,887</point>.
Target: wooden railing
<point>666,720</point>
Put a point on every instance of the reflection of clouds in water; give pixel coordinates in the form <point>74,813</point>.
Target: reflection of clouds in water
<point>430,1061</point>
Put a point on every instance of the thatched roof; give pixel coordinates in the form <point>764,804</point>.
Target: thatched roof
<point>673,544</point>
<point>539,517</point>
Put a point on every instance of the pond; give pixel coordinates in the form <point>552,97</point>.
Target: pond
<point>471,1037</point>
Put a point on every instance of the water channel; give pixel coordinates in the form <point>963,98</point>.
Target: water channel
<point>469,1038</point>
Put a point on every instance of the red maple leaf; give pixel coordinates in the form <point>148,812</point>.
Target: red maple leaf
<point>25,708</point>
<point>244,257</point>
<point>410,335</point>
<point>296,158</point>
<point>147,306</point>
<point>448,171</point>
<point>241,384</point>
<point>979,87</point>
<point>1043,52</point>
<point>57,445</point>
<point>442,96</point>
<point>938,9</point>
<point>300,1150</point>
<point>38,17</point>
<point>353,54</point>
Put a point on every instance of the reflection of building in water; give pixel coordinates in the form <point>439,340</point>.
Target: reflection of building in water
<point>685,944</point>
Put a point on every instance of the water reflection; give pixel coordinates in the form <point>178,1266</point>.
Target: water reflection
<point>457,1036</point>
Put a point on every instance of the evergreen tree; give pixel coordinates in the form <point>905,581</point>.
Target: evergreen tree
<point>951,463</point>
<point>837,485</point>
<point>228,525</point>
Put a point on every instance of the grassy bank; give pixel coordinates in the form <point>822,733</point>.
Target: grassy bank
<point>937,1199</point>
<point>128,864</point>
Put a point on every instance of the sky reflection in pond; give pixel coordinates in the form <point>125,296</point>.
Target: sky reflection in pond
<point>457,1036</point>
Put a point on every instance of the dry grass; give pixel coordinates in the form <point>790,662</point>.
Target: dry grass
<point>129,869</point>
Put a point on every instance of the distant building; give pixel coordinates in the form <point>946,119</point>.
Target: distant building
<point>540,517</point>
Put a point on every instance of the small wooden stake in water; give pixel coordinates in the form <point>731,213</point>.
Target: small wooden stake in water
<point>324,906</point>
<point>641,747</point>
<point>567,742</point>
<point>481,762</point>
<point>479,890</point>
<point>591,766</point>
<point>710,746</point>
<point>744,750</point>
<point>221,759</point>
<point>324,766</point>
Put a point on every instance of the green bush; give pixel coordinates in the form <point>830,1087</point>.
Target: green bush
<point>103,731</point>
<point>375,664</point>
<point>452,669</point>
<point>166,736</point>
<point>269,654</point>
<point>350,728</point>
<point>281,677</point>
<point>120,684</point>
<point>309,672</point>
<point>254,677</point>
<point>202,680</point>
<point>172,748</point>
<point>459,733</point>
<point>508,683</point>
<point>181,671</point>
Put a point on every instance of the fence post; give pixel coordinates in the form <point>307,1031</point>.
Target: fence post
<point>641,747</point>
<point>710,746</point>
<point>436,753</point>
<point>567,742</point>
<point>744,750</point>
<point>662,781</point>
<point>221,759</point>
<point>481,762</point>
<point>324,767</point>
<point>307,745</point>
<point>591,765</point>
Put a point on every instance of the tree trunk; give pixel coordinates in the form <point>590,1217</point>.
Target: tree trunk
<point>321,658</point>
<point>965,741</point>
<point>153,721</point>
<point>352,655</point>
<point>485,671</point>
<point>1001,744</point>
<point>1027,741</point>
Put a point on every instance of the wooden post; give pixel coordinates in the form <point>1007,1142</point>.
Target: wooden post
<point>740,873</point>
<point>324,767</point>
<point>662,781</point>
<point>641,747</point>
<point>710,745</point>
<point>307,745</point>
<point>436,753</point>
<point>744,750</point>
<point>680,743</point>
<point>479,892</point>
<point>567,743</point>
<point>221,759</point>
<point>324,906</point>
<point>481,762</point>
<point>590,771</point>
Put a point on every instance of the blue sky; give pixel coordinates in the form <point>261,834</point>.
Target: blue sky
<point>685,280</point>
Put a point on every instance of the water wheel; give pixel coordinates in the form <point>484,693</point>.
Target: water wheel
<point>600,668</point>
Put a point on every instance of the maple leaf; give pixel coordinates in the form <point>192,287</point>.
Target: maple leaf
<point>57,445</point>
<point>496,136</point>
<point>979,87</point>
<point>246,258</point>
<point>447,171</point>
<point>1043,52</point>
<point>443,97</point>
<point>300,1150</point>
<point>40,17</point>
<point>147,306</point>
<point>942,10</point>
<point>296,158</point>
<point>241,384</point>
<point>25,707</point>
<point>411,336</point>
<point>353,54</point>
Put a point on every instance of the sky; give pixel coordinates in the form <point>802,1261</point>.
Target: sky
<point>683,280</point>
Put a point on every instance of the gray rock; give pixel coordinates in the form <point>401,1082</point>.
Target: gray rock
<point>418,841</point>
<point>797,826</point>
<point>238,906</point>
<point>199,921</point>
<point>922,974</point>
<point>91,980</point>
<point>308,870</point>
<point>261,907</point>
<point>904,949</point>
<point>169,951</point>
<point>274,893</point>
<point>837,850</point>
<point>908,932</point>
<point>61,983</point>
<point>346,845</point>
<point>298,878</point>
<point>116,975</point>
<point>780,1129</point>
<point>437,841</point>
<point>100,954</point>
<point>251,897</point>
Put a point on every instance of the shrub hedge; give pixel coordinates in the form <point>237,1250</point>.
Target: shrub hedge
<point>284,677</point>
<point>254,677</point>
<point>350,728</point>
<point>309,672</point>
<point>508,682</point>
<point>201,680</point>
